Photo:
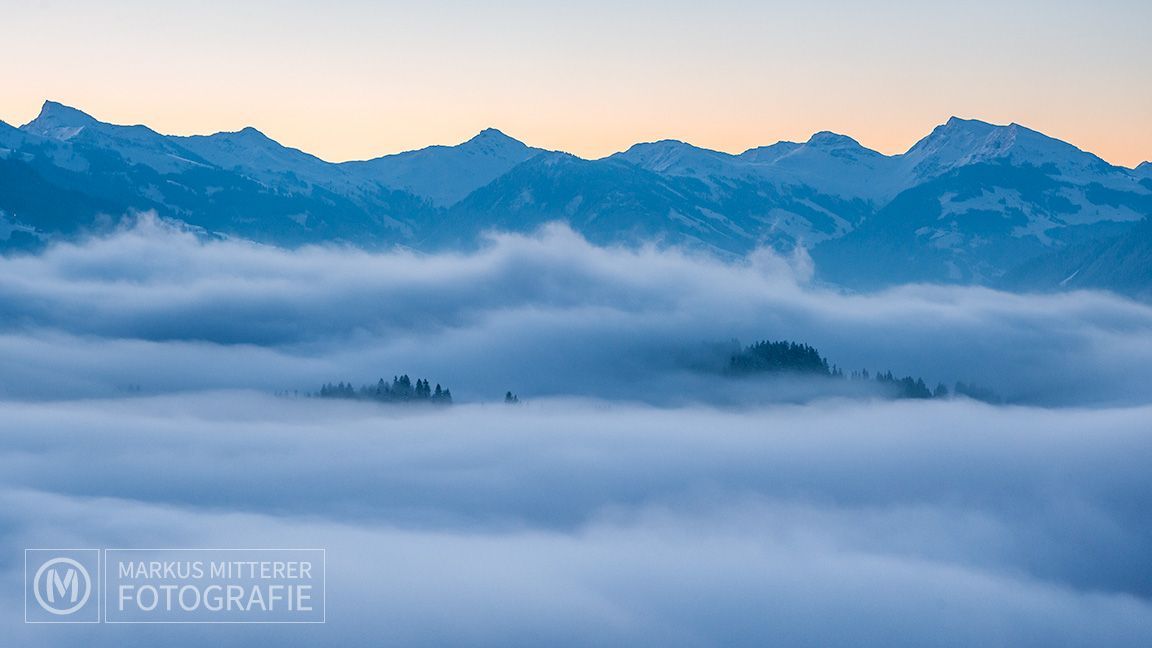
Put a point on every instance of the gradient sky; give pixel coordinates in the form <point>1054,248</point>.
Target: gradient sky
<point>354,79</point>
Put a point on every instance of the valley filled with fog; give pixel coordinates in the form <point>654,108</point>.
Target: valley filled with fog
<point>155,391</point>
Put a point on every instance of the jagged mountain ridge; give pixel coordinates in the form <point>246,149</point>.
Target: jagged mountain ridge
<point>979,200</point>
<point>445,175</point>
<point>969,202</point>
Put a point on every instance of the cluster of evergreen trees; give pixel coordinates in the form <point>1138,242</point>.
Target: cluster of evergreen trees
<point>400,390</point>
<point>908,387</point>
<point>792,357</point>
<point>761,357</point>
<point>779,356</point>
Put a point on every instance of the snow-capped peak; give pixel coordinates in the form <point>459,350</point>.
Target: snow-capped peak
<point>246,137</point>
<point>675,157</point>
<point>446,174</point>
<point>961,142</point>
<point>828,139</point>
<point>58,121</point>
<point>821,144</point>
<point>493,137</point>
<point>65,115</point>
<point>491,134</point>
<point>265,160</point>
<point>662,146</point>
<point>250,132</point>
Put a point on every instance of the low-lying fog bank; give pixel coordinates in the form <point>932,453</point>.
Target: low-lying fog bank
<point>841,522</point>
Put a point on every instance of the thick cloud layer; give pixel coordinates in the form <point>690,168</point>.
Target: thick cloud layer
<point>558,523</point>
<point>547,315</point>
<point>638,497</point>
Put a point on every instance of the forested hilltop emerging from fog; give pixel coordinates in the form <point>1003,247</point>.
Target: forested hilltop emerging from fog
<point>779,358</point>
<point>785,357</point>
<point>400,390</point>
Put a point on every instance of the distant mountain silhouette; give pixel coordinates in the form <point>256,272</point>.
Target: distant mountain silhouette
<point>971,202</point>
<point>446,174</point>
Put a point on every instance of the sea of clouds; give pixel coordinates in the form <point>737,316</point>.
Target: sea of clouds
<point>634,498</point>
<point>160,310</point>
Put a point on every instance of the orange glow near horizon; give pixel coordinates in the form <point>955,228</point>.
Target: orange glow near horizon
<point>365,79</point>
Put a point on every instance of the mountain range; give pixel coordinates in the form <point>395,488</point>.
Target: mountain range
<point>971,202</point>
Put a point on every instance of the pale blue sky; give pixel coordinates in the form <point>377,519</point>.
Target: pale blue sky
<point>353,79</point>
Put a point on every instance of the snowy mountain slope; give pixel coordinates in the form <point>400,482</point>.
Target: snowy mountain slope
<point>444,175</point>
<point>1121,263</point>
<point>247,152</point>
<point>837,164</point>
<point>974,223</point>
<point>241,184</point>
<point>260,158</point>
<point>135,144</point>
<point>10,138</point>
<point>791,194</point>
<point>963,142</point>
<point>606,200</point>
<point>33,206</point>
<point>967,203</point>
<point>834,164</point>
<point>980,199</point>
<point>613,200</point>
<point>676,158</point>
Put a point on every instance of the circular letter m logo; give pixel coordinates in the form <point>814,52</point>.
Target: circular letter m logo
<point>62,586</point>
